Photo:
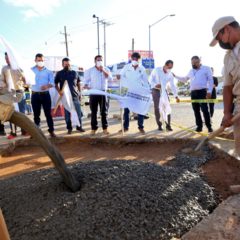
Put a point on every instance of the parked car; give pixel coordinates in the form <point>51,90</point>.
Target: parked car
<point>184,91</point>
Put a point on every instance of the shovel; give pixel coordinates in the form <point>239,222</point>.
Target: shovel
<point>215,133</point>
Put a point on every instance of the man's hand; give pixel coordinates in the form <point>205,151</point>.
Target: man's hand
<point>177,100</point>
<point>118,76</point>
<point>158,86</point>
<point>226,121</point>
<point>209,95</point>
<point>60,93</point>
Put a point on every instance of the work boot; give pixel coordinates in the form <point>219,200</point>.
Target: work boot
<point>168,127</point>
<point>160,128</point>
<point>69,131</point>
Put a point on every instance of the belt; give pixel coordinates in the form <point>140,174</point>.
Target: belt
<point>40,93</point>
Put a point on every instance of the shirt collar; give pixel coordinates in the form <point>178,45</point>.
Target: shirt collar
<point>236,49</point>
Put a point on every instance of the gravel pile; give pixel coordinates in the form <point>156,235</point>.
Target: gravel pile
<point>118,200</point>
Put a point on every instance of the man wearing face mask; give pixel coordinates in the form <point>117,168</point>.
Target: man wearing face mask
<point>158,80</point>
<point>201,85</point>
<point>226,31</point>
<point>73,81</point>
<point>97,78</point>
<point>136,76</point>
<point>40,93</point>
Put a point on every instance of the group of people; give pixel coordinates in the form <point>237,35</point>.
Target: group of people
<point>226,31</point>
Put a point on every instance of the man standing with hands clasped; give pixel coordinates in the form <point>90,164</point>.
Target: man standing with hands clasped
<point>73,81</point>
<point>97,78</point>
<point>40,93</point>
<point>226,32</point>
<point>201,85</point>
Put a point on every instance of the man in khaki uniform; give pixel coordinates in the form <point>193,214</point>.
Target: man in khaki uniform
<point>13,79</point>
<point>226,31</point>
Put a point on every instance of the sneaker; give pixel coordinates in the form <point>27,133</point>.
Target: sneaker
<point>124,130</point>
<point>198,129</point>
<point>11,136</point>
<point>141,131</point>
<point>93,132</point>
<point>69,131</point>
<point>168,128</point>
<point>52,135</point>
<point>105,132</point>
<point>2,133</point>
<point>160,128</point>
<point>80,129</point>
<point>210,130</point>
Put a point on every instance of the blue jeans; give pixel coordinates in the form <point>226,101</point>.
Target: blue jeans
<point>68,121</point>
<point>126,119</point>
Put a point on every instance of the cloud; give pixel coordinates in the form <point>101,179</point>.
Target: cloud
<point>36,8</point>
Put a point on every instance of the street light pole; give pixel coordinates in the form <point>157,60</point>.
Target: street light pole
<point>149,32</point>
<point>94,16</point>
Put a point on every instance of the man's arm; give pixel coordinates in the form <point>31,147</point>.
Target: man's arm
<point>228,105</point>
<point>87,79</point>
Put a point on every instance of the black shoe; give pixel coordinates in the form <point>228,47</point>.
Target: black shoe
<point>52,134</point>
<point>80,129</point>
<point>160,128</point>
<point>2,133</point>
<point>210,130</point>
<point>69,131</point>
<point>198,129</point>
<point>146,117</point>
<point>168,127</point>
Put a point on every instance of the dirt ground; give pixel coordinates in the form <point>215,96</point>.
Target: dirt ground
<point>30,158</point>
<point>221,171</point>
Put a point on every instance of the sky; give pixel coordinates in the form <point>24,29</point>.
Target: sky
<point>33,26</point>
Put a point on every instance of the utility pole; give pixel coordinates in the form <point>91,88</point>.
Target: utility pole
<point>94,16</point>
<point>66,40</point>
<point>132,44</point>
<point>105,24</point>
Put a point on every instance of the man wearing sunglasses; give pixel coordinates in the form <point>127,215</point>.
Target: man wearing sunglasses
<point>226,32</point>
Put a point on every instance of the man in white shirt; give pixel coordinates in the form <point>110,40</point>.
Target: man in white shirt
<point>201,85</point>
<point>135,76</point>
<point>158,80</point>
<point>97,78</point>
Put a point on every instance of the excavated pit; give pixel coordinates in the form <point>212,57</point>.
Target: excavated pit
<point>131,189</point>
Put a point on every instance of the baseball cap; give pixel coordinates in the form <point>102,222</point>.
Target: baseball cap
<point>218,25</point>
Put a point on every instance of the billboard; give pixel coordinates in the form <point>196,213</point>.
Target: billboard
<point>143,53</point>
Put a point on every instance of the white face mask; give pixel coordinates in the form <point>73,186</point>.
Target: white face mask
<point>40,64</point>
<point>134,63</point>
<point>99,64</point>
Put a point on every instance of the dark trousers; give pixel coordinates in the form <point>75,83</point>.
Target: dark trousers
<point>1,127</point>
<point>77,106</point>
<point>100,100</point>
<point>42,99</point>
<point>126,119</point>
<point>211,109</point>
<point>200,94</point>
